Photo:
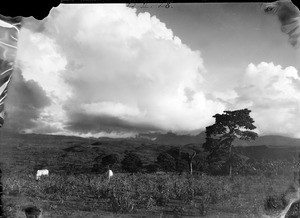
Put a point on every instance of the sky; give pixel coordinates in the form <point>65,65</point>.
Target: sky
<point>110,70</point>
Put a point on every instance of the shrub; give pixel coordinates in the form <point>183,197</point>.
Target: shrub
<point>166,162</point>
<point>151,168</point>
<point>162,193</point>
<point>132,163</point>
<point>110,160</point>
<point>177,154</point>
<point>121,201</point>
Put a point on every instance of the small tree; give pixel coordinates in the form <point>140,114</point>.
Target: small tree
<point>110,160</point>
<point>166,162</point>
<point>178,156</point>
<point>132,163</point>
<point>189,157</point>
<point>200,162</point>
<point>228,126</point>
<point>176,159</point>
<point>151,168</point>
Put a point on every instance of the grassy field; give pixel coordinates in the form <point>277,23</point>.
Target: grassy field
<point>141,195</point>
<point>83,194</point>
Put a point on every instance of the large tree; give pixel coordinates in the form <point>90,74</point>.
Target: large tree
<point>229,126</point>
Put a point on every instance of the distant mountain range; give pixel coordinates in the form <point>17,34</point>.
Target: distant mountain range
<point>272,140</point>
<point>272,147</point>
<point>174,139</point>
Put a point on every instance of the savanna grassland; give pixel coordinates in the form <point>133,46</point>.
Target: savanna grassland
<point>73,190</point>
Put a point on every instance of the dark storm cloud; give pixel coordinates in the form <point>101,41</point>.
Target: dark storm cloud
<point>24,102</point>
<point>89,123</point>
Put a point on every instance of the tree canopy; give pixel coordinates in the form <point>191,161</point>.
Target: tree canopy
<point>132,163</point>
<point>229,126</point>
<point>110,160</point>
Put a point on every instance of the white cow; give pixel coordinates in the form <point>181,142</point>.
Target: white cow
<point>109,174</point>
<point>40,173</point>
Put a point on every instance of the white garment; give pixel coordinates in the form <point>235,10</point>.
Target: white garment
<point>40,173</point>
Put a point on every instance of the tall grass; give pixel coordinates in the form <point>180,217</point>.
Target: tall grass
<point>126,193</point>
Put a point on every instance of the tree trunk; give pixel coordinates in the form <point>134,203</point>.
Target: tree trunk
<point>230,162</point>
<point>191,167</point>
<point>191,157</point>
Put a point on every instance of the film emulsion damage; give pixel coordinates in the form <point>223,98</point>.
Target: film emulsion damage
<point>11,14</point>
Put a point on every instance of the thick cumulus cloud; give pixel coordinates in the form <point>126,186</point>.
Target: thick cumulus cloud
<point>108,69</point>
<point>112,72</point>
<point>272,93</point>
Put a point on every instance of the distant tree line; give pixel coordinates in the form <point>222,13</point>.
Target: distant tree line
<point>217,156</point>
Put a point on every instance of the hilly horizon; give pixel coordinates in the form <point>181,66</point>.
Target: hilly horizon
<point>172,138</point>
<point>185,139</point>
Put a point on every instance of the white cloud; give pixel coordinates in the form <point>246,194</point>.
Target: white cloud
<point>111,108</point>
<point>102,61</point>
<point>96,135</point>
<point>40,61</point>
<point>111,72</point>
<point>271,92</point>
